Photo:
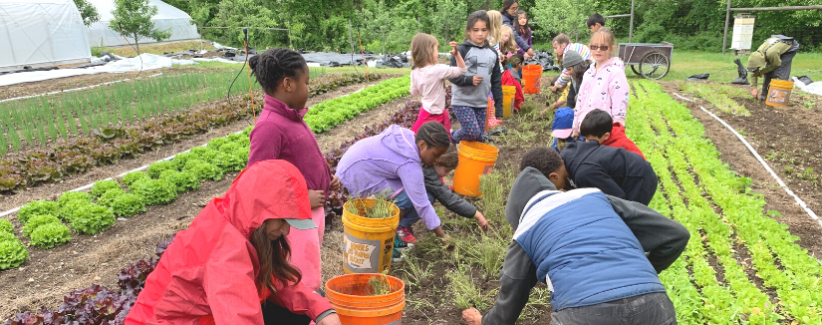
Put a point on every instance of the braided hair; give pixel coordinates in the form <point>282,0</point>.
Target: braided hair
<point>275,64</point>
<point>434,134</point>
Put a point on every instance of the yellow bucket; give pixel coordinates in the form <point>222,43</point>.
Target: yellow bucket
<point>508,94</point>
<point>368,243</point>
<point>476,159</point>
<point>779,93</point>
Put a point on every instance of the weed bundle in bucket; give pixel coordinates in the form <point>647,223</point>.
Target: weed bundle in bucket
<point>380,209</point>
<point>379,285</point>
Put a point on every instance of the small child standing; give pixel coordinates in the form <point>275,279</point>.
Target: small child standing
<point>523,30</point>
<point>483,76</point>
<point>427,79</point>
<point>598,126</point>
<point>511,78</point>
<point>437,190</point>
<point>281,133</point>
<point>507,45</point>
<point>595,22</point>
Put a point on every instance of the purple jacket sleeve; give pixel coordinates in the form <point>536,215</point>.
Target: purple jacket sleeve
<point>266,143</point>
<point>413,181</point>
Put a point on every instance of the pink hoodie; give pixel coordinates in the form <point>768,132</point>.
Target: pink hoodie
<point>607,90</point>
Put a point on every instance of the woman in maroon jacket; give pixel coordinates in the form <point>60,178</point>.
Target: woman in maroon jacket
<point>281,133</point>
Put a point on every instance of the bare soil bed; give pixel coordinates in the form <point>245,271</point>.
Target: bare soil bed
<point>51,274</point>
<point>785,138</point>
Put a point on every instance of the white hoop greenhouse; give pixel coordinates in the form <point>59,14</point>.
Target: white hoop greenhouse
<point>167,17</point>
<point>42,33</point>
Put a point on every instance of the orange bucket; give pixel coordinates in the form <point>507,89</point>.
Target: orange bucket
<point>779,93</point>
<point>531,79</point>
<point>350,296</point>
<point>476,159</point>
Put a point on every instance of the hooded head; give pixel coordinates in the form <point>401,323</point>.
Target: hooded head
<point>756,61</point>
<point>269,189</point>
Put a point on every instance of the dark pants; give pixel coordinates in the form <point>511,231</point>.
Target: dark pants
<point>274,314</point>
<point>649,186</point>
<point>781,73</point>
<point>648,309</point>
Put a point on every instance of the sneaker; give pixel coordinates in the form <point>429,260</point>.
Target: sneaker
<point>406,235</point>
<point>396,256</point>
<point>401,245</point>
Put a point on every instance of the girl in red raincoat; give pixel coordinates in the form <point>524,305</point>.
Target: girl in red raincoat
<point>513,77</point>
<point>231,265</point>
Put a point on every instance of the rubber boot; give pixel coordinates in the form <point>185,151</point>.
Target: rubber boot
<point>743,74</point>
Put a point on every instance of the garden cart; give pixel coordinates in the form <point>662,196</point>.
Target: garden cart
<point>654,60</point>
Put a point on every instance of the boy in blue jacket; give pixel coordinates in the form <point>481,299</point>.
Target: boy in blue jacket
<point>588,247</point>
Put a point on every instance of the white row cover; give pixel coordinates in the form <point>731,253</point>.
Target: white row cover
<point>42,33</point>
<point>141,63</point>
<point>167,17</point>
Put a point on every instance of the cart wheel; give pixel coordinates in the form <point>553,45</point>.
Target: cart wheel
<point>633,67</point>
<point>654,65</point>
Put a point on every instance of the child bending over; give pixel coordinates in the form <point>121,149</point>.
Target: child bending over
<point>600,127</point>
<point>427,79</point>
<point>511,77</point>
<point>562,44</point>
<point>438,191</point>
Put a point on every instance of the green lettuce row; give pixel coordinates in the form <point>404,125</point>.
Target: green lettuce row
<point>700,215</point>
<point>798,286</point>
<point>330,113</point>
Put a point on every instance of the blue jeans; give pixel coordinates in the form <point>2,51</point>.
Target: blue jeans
<point>404,203</point>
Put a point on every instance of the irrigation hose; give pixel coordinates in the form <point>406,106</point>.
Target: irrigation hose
<point>761,161</point>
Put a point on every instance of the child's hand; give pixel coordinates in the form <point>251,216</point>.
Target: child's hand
<point>336,185</point>
<point>481,222</point>
<point>454,52</point>
<point>554,89</point>
<point>755,93</point>
<point>477,80</point>
<point>317,198</point>
<point>445,239</point>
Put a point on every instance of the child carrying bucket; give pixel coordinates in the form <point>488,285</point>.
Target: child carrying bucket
<point>427,79</point>
<point>470,91</point>
<point>391,164</point>
<point>281,133</point>
<point>511,78</point>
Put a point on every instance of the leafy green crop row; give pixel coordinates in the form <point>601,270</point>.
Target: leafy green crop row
<point>723,215</point>
<point>329,113</point>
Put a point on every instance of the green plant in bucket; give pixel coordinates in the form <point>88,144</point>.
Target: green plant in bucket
<point>381,208</point>
<point>379,285</point>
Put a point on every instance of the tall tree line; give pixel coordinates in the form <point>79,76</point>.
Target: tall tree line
<point>389,25</point>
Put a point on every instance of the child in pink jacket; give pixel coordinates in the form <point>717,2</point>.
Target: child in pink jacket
<point>604,85</point>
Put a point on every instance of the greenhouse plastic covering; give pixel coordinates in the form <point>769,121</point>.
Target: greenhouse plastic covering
<point>143,62</point>
<point>41,33</point>
<point>167,17</point>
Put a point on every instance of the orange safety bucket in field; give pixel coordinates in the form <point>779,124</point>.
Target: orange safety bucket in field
<point>508,94</point>
<point>476,159</point>
<point>779,93</point>
<point>368,243</point>
<point>350,296</point>
<point>531,79</point>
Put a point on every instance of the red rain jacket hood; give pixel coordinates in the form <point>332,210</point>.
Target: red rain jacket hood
<point>207,275</point>
<point>618,139</point>
<point>509,80</point>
